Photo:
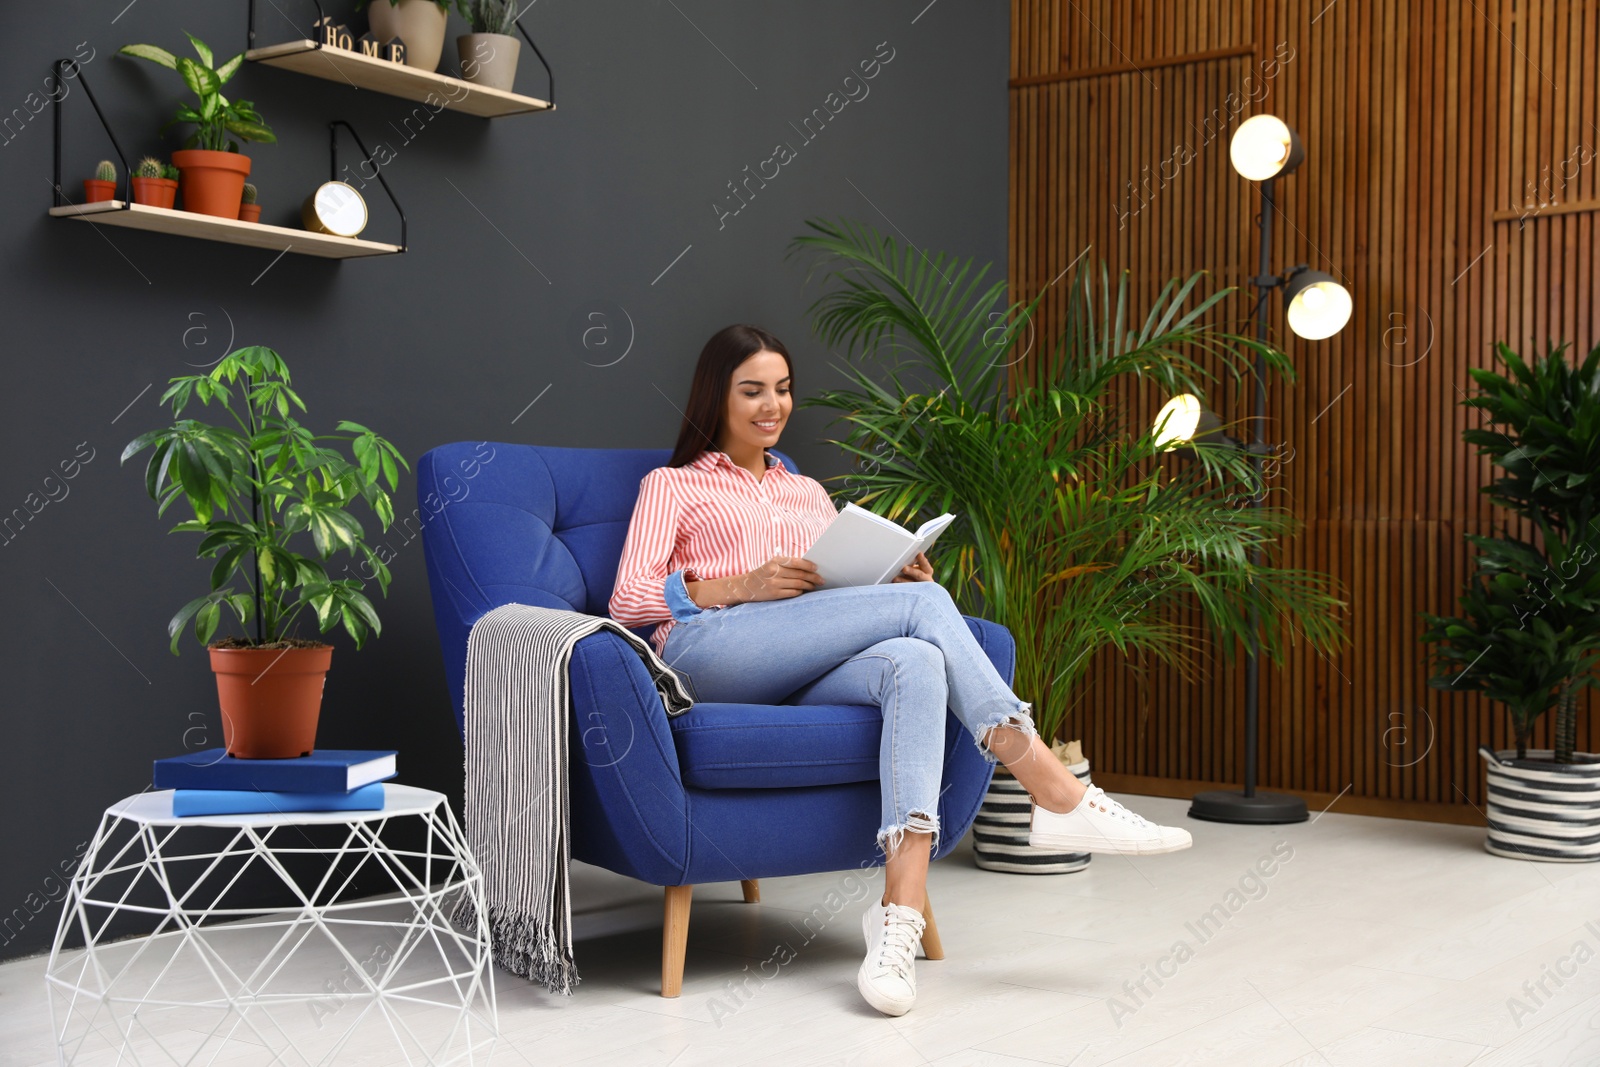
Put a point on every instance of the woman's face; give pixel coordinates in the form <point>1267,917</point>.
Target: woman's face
<point>758,402</point>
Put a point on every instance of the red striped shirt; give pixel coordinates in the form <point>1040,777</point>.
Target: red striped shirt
<point>713,518</point>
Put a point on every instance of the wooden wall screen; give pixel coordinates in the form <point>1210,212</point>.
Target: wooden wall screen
<point>1451,184</point>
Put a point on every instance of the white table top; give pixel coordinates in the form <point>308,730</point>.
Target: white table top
<point>155,808</point>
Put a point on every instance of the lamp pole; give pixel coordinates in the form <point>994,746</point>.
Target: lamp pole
<point>1250,806</point>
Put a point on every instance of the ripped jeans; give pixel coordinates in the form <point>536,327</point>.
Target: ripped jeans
<point>902,646</point>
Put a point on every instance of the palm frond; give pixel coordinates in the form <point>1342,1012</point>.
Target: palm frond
<point>1073,531</point>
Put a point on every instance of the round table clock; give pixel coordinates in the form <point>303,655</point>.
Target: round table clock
<point>336,208</point>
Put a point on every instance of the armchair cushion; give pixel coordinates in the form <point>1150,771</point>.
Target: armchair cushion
<point>758,746</point>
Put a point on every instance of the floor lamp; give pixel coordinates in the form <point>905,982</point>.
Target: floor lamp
<point>1264,149</point>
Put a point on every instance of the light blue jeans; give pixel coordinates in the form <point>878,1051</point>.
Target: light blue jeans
<point>902,646</point>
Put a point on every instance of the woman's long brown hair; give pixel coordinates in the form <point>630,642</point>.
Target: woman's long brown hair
<point>707,409</point>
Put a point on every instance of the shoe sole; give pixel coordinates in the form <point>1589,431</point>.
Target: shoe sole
<point>1057,843</point>
<point>870,995</point>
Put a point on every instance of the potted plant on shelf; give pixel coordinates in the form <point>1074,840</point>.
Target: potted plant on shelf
<point>103,186</point>
<point>419,23</point>
<point>1528,635</point>
<point>1072,529</point>
<point>259,490</point>
<point>213,171</point>
<point>249,210</point>
<point>151,185</point>
<point>490,52</point>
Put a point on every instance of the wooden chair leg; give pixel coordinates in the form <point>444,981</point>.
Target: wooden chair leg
<point>752,890</point>
<point>932,947</point>
<point>674,938</point>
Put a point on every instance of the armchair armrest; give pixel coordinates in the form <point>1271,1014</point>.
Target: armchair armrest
<point>626,784</point>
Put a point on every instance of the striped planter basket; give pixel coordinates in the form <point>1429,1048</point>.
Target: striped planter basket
<point>1000,830</point>
<point>1539,810</point>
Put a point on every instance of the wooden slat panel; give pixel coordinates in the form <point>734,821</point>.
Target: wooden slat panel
<point>1426,125</point>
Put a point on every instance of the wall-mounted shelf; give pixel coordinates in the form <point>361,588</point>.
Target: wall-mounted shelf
<point>121,212</point>
<point>311,57</point>
<point>229,231</point>
<point>395,79</point>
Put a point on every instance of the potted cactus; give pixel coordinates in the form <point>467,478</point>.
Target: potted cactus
<point>249,210</point>
<point>213,171</point>
<point>490,52</point>
<point>151,184</point>
<point>103,186</point>
<point>272,502</point>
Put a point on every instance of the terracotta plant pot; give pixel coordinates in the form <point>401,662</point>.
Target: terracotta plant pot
<point>489,59</point>
<point>270,699</point>
<point>155,192</point>
<point>213,182</point>
<point>419,23</point>
<point>249,212</point>
<point>96,191</point>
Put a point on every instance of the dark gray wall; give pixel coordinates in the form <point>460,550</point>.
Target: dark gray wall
<point>520,228</point>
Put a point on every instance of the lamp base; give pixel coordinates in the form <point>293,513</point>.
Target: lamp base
<point>1229,806</point>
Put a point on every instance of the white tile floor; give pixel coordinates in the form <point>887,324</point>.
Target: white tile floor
<point>1372,942</point>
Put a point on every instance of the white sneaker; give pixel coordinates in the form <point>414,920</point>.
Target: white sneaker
<point>887,978</point>
<point>1100,824</point>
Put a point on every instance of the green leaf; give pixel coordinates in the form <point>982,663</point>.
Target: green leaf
<point>200,49</point>
<point>152,53</point>
<point>226,72</point>
<point>205,621</point>
<point>202,81</point>
<point>250,131</point>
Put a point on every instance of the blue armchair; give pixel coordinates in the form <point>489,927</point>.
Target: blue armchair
<point>722,792</point>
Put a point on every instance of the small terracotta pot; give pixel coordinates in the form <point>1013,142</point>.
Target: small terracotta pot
<point>155,192</point>
<point>419,23</point>
<point>271,699</point>
<point>96,191</point>
<point>249,212</point>
<point>489,59</point>
<point>213,182</point>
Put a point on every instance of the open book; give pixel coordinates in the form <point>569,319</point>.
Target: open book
<point>860,548</point>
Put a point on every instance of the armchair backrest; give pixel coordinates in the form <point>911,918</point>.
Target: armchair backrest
<point>524,524</point>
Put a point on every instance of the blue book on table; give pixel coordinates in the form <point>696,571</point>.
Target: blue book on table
<point>324,771</point>
<point>253,801</point>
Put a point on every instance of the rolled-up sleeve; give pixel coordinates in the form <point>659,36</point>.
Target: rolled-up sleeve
<point>677,594</point>
<point>640,594</point>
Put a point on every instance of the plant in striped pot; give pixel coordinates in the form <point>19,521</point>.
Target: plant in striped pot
<point>1528,632</point>
<point>1075,528</point>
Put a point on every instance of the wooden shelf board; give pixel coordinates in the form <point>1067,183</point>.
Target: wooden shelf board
<point>229,231</point>
<point>395,79</point>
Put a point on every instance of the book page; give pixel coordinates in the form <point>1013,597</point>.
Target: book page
<point>862,548</point>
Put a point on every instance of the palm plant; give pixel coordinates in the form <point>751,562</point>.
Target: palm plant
<point>1072,530</point>
<point>1528,634</point>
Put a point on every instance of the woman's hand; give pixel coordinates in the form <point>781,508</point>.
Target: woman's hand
<point>780,578</point>
<point>918,570</point>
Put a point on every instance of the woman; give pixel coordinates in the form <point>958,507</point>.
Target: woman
<point>713,556</point>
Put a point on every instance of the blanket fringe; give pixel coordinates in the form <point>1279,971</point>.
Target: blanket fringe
<point>525,946</point>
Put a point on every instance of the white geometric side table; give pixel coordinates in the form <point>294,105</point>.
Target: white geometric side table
<point>328,977</point>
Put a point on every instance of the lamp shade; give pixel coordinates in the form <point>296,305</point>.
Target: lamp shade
<point>1265,147</point>
<point>1183,420</point>
<point>1317,305</point>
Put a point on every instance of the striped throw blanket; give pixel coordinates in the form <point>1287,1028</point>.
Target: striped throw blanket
<point>517,708</point>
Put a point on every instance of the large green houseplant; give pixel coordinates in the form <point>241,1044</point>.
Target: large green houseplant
<point>1528,631</point>
<point>212,170</point>
<point>1075,530</point>
<point>261,490</point>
